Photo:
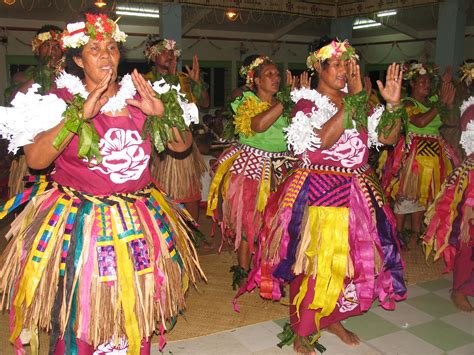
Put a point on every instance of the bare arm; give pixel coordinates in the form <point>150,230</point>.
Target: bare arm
<point>422,119</point>
<point>264,120</point>
<point>331,130</point>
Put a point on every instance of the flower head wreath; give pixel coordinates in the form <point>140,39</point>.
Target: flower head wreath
<point>151,51</point>
<point>413,70</point>
<point>467,72</point>
<point>335,49</point>
<point>248,71</point>
<point>96,27</point>
<point>43,37</point>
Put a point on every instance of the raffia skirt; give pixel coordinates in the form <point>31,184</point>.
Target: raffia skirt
<point>18,170</point>
<point>239,191</point>
<point>96,268</point>
<point>329,232</point>
<point>425,164</point>
<point>450,224</point>
<point>179,174</point>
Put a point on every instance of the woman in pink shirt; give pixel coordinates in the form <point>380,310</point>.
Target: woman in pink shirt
<point>99,256</point>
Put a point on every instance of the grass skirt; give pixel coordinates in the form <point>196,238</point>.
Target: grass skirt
<point>18,170</point>
<point>179,177</point>
<point>330,231</point>
<point>423,167</point>
<point>96,268</point>
<point>239,191</point>
<point>450,218</point>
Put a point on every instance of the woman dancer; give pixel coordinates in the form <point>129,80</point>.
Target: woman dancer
<point>328,230</point>
<point>248,172</point>
<point>449,220</point>
<point>426,159</point>
<point>99,256</point>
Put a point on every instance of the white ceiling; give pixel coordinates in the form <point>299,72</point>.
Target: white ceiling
<point>409,23</point>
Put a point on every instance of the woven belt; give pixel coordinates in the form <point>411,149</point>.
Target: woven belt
<point>336,169</point>
<point>263,153</point>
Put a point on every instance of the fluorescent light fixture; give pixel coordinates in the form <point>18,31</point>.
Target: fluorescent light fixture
<point>137,11</point>
<point>365,23</point>
<point>387,13</point>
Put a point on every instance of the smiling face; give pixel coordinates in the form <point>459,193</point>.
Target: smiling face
<point>268,79</point>
<point>97,59</point>
<point>334,75</point>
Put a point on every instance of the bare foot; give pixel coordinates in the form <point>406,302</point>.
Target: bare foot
<point>302,345</point>
<point>461,302</point>
<point>345,335</point>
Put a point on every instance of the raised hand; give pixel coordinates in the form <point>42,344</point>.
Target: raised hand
<point>148,103</point>
<point>96,98</point>
<point>447,76</point>
<point>447,93</point>
<point>194,72</point>
<point>354,81</point>
<point>305,80</point>
<point>290,79</point>
<point>393,84</point>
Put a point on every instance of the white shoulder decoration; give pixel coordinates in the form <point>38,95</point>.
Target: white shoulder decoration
<point>190,110</point>
<point>115,104</point>
<point>373,122</point>
<point>31,114</point>
<point>300,134</point>
<point>466,103</point>
<point>467,138</point>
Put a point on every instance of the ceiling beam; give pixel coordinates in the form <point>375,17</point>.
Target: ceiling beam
<point>195,20</point>
<point>401,27</point>
<point>292,25</point>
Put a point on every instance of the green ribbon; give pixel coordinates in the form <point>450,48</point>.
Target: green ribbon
<point>74,123</point>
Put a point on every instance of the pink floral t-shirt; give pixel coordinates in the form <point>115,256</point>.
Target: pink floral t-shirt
<point>350,151</point>
<point>125,156</point>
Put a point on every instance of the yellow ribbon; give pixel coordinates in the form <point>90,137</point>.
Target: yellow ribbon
<point>126,289</point>
<point>329,245</point>
<point>213,196</point>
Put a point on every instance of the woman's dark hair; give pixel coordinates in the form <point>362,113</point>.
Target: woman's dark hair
<point>47,28</point>
<point>249,59</point>
<point>70,53</point>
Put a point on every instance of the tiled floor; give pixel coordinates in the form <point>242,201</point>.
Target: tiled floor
<point>427,323</point>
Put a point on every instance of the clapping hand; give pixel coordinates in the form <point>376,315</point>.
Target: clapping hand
<point>447,93</point>
<point>391,92</point>
<point>96,98</point>
<point>148,103</point>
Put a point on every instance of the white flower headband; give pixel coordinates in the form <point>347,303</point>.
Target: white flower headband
<point>248,71</point>
<point>42,37</point>
<point>166,44</point>
<point>96,27</point>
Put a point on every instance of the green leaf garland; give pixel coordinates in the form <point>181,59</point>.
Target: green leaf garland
<point>285,98</point>
<point>356,109</point>
<point>159,128</point>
